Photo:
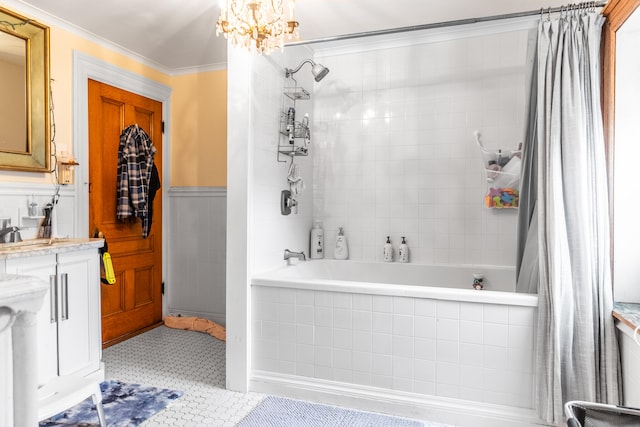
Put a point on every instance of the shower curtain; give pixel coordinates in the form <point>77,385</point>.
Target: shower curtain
<point>564,228</point>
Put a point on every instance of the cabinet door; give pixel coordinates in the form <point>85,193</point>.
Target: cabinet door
<point>44,268</point>
<point>79,335</point>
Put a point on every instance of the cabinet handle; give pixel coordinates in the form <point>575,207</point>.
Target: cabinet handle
<point>65,296</point>
<point>53,298</point>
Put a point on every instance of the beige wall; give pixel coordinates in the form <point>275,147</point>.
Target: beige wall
<point>199,129</point>
<point>198,112</point>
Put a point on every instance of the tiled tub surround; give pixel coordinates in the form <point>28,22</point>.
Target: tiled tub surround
<point>459,356</point>
<point>393,146</point>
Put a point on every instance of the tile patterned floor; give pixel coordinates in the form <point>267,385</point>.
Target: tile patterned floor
<point>183,360</point>
<point>192,362</point>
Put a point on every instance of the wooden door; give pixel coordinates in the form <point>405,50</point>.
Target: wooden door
<point>134,303</point>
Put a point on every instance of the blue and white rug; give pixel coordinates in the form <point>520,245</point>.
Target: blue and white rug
<point>125,405</point>
<point>280,412</point>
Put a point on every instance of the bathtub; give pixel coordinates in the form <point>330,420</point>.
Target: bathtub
<point>408,339</point>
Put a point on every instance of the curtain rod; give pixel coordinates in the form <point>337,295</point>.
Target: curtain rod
<point>541,11</point>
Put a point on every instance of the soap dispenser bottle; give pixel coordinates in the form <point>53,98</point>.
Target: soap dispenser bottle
<point>387,251</point>
<point>403,251</point>
<point>342,249</point>
<point>316,242</point>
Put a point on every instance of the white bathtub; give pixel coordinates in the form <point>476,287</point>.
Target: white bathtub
<point>444,282</point>
<point>413,340</point>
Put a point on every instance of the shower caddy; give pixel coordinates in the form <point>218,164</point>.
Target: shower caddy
<point>502,173</point>
<point>291,141</point>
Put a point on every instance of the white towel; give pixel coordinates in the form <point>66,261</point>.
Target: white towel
<point>296,184</point>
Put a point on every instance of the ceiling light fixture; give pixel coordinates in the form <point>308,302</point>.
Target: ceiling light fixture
<point>263,24</point>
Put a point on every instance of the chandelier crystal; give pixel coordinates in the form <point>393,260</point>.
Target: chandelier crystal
<point>263,24</point>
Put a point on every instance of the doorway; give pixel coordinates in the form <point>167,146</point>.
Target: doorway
<point>134,303</point>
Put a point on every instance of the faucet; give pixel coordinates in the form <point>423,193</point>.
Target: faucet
<point>13,232</point>
<point>289,254</point>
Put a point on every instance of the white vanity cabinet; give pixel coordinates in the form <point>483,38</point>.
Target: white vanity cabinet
<point>69,329</point>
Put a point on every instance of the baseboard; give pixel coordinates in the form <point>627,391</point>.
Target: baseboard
<point>219,318</point>
<point>411,405</point>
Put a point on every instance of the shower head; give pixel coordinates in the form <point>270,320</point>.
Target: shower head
<point>318,70</point>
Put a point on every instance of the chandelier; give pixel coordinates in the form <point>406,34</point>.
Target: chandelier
<point>263,24</point>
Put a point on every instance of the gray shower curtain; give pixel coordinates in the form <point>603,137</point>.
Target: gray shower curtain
<point>564,228</point>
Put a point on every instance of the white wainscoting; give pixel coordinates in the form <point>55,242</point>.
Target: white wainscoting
<point>196,250</point>
<point>15,196</point>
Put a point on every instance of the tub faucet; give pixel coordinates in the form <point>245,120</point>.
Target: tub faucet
<point>13,233</point>
<point>289,254</point>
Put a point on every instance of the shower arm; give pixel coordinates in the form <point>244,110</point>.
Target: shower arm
<point>289,72</point>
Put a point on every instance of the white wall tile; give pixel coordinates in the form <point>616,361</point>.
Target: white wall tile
<point>342,358</point>
<point>304,334</point>
<point>447,330</point>
<point>382,304</point>
<point>362,320</point>
<point>402,367</point>
<point>342,300</point>
<point>403,325</point>
<point>323,299</point>
<point>382,343</point>
<point>323,316</point>
<point>287,332</point>
<point>471,355</point>
<point>425,371</point>
<point>342,318</point>
<point>382,323</point>
<point>447,373</point>
<point>287,351</point>
<point>304,297</point>
<point>402,346</point>
<point>424,349</point>
<point>471,332</point>
<point>495,313</point>
<point>496,334</point>
<point>363,341</point>
<point>448,309</point>
<point>362,302</point>
<point>342,338</point>
<point>495,357</point>
<point>522,316</point>
<point>403,305</point>
<point>323,356</point>
<point>305,354</point>
<point>286,313</point>
<point>305,314</point>
<point>471,378</point>
<point>323,337</point>
<point>447,351</point>
<point>520,337</point>
<point>425,327</point>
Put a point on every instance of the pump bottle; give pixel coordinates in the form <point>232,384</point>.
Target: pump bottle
<point>387,251</point>
<point>316,242</point>
<point>342,249</point>
<point>403,251</point>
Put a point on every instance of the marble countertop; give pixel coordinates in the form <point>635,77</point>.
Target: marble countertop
<point>628,313</point>
<point>38,247</point>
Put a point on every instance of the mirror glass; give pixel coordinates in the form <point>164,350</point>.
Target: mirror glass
<point>13,86</point>
<point>24,85</point>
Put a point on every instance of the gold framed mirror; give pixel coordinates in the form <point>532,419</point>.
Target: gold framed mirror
<point>24,82</point>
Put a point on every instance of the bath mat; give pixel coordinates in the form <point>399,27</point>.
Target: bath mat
<point>124,405</point>
<point>280,412</point>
